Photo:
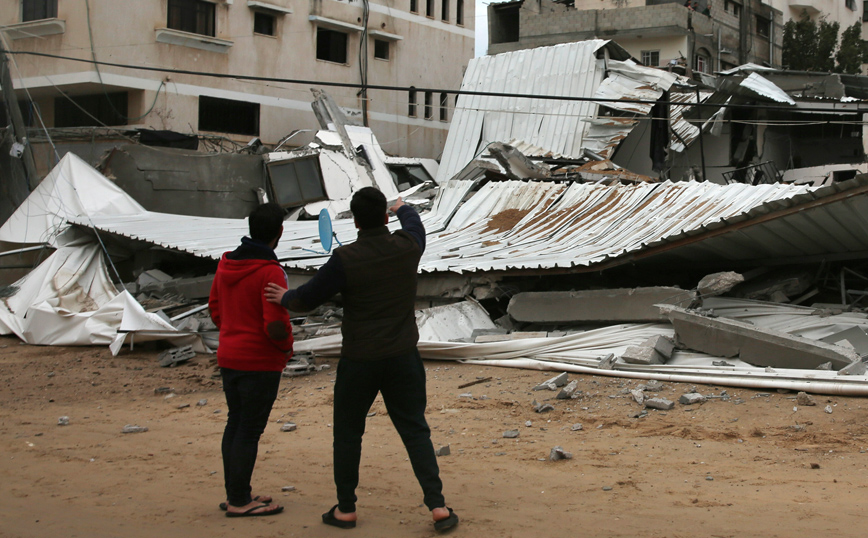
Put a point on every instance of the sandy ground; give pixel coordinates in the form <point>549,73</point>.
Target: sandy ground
<point>741,467</point>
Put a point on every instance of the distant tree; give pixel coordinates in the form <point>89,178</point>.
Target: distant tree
<point>852,52</point>
<point>809,45</point>
<point>827,41</point>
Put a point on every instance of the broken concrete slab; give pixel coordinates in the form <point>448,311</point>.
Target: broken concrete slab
<point>854,338</point>
<point>805,399</point>
<point>620,304</point>
<point>558,453</point>
<point>638,396</point>
<point>568,391</point>
<point>175,356</point>
<point>659,403</point>
<point>607,362</point>
<point>552,384</point>
<point>718,283</point>
<point>692,398</point>
<point>857,368</point>
<point>542,408</point>
<point>642,355</point>
<point>760,347</point>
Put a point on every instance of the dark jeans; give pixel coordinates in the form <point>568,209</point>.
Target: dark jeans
<point>250,396</point>
<point>401,380</point>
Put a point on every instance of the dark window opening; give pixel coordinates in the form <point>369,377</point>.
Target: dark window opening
<point>851,4</point>
<point>865,11</point>
<point>731,7</point>
<point>504,24</point>
<point>429,8</point>
<point>381,49</point>
<point>194,16</point>
<point>444,11</point>
<point>409,175</point>
<point>444,103</point>
<point>91,110</point>
<point>263,23</point>
<point>429,105</point>
<point>34,10</point>
<point>411,108</point>
<point>228,116</point>
<point>762,26</point>
<point>459,11</point>
<point>331,45</point>
<point>414,6</point>
<point>296,182</point>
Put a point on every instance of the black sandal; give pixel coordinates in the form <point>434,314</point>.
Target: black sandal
<point>329,519</point>
<point>447,523</point>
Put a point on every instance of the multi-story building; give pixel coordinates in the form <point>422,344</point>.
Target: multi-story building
<point>704,35</point>
<point>395,43</point>
<point>844,12</point>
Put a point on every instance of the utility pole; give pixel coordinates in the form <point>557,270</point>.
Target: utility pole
<point>18,128</point>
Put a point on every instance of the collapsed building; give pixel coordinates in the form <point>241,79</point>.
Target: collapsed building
<point>542,252</point>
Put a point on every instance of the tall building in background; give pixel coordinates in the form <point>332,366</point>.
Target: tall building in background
<point>404,43</point>
<point>703,35</point>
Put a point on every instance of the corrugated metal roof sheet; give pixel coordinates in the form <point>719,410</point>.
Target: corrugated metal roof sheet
<point>521,225</point>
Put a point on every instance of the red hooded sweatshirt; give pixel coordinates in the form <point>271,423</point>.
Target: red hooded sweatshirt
<point>255,335</point>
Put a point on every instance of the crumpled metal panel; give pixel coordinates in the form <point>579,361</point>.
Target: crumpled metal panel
<point>631,81</point>
<point>686,131</point>
<point>766,88</point>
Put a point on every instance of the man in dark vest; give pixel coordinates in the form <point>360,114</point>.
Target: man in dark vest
<point>376,277</point>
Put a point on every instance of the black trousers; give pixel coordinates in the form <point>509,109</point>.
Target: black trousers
<point>401,380</point>
<point>250,397</point>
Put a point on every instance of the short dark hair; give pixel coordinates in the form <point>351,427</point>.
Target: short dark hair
<point>369,208</point>
<point>265,222</point>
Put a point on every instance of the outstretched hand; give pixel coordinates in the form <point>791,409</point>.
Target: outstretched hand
<point>274,293</point>
<point>398,203</point>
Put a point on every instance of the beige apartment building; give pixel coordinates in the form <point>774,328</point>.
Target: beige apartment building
<point>423,44</point>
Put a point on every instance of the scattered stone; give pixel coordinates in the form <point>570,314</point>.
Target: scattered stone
<point>692,398</point>
<point>709,478</point>
<point>718,283</point>
<point>50,374</point>
<point>177,355</point>
<point>559,453</point>
<point>607,362</point>
<point>466,395</point>
<point>653,386</point>
<point>721,363</point>
<point>828,409</point>
<point>642,355</point>
<point>528,424</point>
<point>568,391</point>
<point>607,488</point>
<point>163,390</point>
<point>217,411</point>
<point>372,414</point>
<point>638,396</point>
<point>288,427</point>
<point>443,451</point>
<point>638,414</point>
<point>510,434</point>
<point>552,384</point>
<point>825,366</point>
<point>542,408</point>
<point>132,428</point>
<point>815,465</point>
<point>183,406</point>
<point>287,488</point>
<point>169,396</point>
<point>659,403</point>
<point>805,399</point>
<point>298,368</point>
<point>63,421</point>
<point>576,427</point>
<point>202,402</point>
<point>500,453</point>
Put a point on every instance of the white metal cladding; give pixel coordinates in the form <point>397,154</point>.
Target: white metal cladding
<point>523,225</point>
<point>570,69</point>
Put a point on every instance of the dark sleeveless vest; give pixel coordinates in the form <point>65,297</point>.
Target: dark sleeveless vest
<point>380,294</point>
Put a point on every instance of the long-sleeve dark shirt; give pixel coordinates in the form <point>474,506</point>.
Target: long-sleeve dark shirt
<point>331,278</point>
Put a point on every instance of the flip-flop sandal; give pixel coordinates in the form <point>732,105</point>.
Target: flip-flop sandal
<point>252,511</point>
<point>447,523</point>
<point>329,519</point>
<point>261,498</point>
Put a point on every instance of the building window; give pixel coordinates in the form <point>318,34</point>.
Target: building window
<point>429,105</point>
<point>411,107</point>
<point>444,103</point>
<point>91,110</point>
<point>702,61</point>
<point>34,10</point>
<point>296,182</point>
<point>504,24</point>
<point>851,4</point>
<point>194,16</point>
<point>414,6</point>
<point>762,26</point>
<point>651,58</point>
<point>731,7</point>
<point>381,49</point>
<point>331,45</point>
<point>459,11</point>
<point>865,11</point>
<point>228,116</point>
<point>429,8</point>
<point>444,11</point>
<point>263,23</point>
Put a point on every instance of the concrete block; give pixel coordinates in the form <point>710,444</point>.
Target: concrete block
<point>642,355</point>
<point>718,283</point>
<point>638,396</point>
<point>551,384</point>
<point>659,403</point>
<point>664,345</point>
<point>568,391</point>
<point>761,347</point>
<point>622,304</point>
<point>857,368</point>
<point>558,453</point>
<point>608,362</point>
<point>692,398</point>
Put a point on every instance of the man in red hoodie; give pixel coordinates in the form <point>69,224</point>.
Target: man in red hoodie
<point>255,343</point>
